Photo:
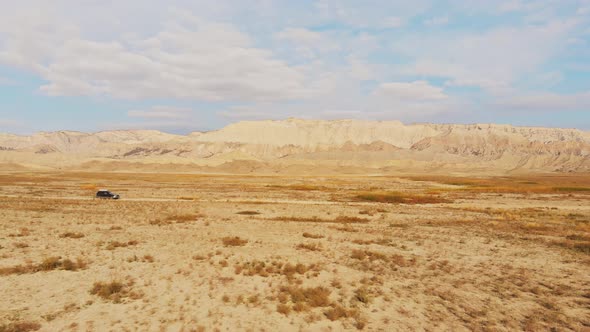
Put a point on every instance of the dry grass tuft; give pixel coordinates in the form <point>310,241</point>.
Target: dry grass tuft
<point>264,269</point>
<point>283,309</point>
<point>116,244</point>
<point>400,198</point>
<point>362,295</point>
<point>248,213</point>
<point>381,242</point>
<point>369,255</point>
<point>310,246</point>
<point>582,246</point>
<point>337,312</point>
<point>71,235</point>
<point>338,220</point>
<point>311,296</point>
<point>48,264</point>
<point>182,218</point>
<point>312,236</point>
<point>112,291</point>
<point>234,241</point>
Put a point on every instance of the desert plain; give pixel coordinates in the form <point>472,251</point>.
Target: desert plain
<point>228,252</point>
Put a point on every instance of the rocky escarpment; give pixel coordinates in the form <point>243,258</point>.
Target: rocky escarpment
<point>344,142</point>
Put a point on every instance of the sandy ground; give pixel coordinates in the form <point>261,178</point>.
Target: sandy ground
<point>182,252</point>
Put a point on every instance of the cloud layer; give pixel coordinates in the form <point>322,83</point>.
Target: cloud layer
<point>416,61</point>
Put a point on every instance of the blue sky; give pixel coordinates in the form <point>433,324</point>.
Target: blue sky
<point>181,65</point>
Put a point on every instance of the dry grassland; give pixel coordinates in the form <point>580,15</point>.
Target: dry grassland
<point>182,252</point>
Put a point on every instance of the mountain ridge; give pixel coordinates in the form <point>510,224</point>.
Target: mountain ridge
<point>354,143</point>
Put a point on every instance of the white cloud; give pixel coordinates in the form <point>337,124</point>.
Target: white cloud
<point>266,59</point>
<point>161,112</point>
<point>491,60</point>
<point>307,43</point>
<point>413,91</point>
<point>393,22</point>
<point>547,102</point>
<point>511,6</point>
<point>199,61</point>
<point>369,13</point>
<point>300,36</point>
<point>440,20</point>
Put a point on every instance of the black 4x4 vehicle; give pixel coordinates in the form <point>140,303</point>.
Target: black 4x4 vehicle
<point>103,193</point>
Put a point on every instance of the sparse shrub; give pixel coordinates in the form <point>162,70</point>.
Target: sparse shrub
<point>337,312</point>
<point>187,198</point>
<point>21,245</point>
<point>234,241</point>
<point>311,296</point>
<point>347,228</point>
<point>69,265</point>
<point>71,235</point>
<point>370,255</point>
<point>81,263</point>
<point>312,236</point>
<point>283,309</point>
<point>253,299</point>
<point>310,246</point>
<point>264,269</point>
<point>572,189</point>
<point>20,327</point>
<point>362,295</point>
<point>48,264</point>
<point>111,291</point>
<point>399,198</point>
<point>248,213</point>
<point>382,242</point>
<point>116,244</point>
<point>338,220</point>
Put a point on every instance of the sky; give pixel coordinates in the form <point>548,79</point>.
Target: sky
<point>192,65</point>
